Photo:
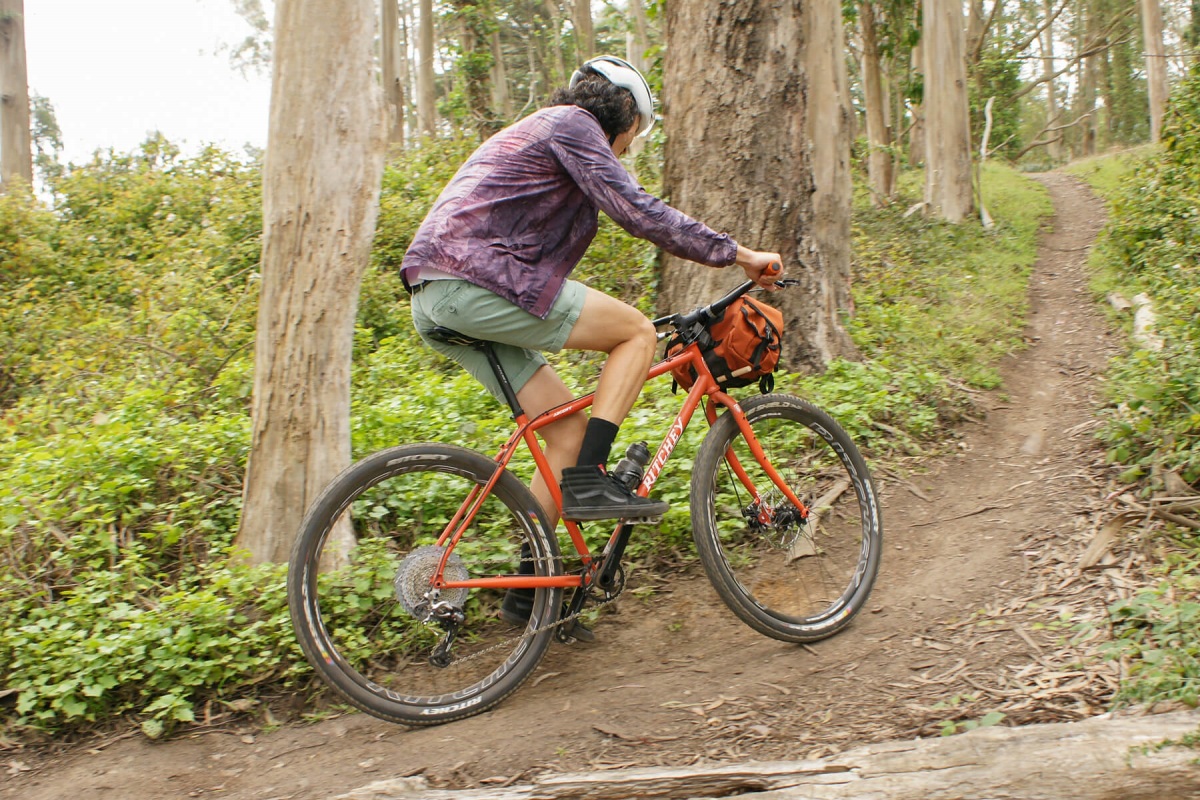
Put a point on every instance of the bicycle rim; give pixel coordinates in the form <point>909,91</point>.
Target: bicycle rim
<point>788,578</point>
<point>357,611</point>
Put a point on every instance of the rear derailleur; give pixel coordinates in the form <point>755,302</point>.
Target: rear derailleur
<point>449,618</point>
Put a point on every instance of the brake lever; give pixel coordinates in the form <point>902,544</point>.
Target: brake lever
<point>782,283</point>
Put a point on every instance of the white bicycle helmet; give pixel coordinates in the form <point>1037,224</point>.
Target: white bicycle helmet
<point>623,74</point>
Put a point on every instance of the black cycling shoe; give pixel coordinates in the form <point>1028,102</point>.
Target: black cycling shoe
<point>590,493</point>
<point>518,605</point>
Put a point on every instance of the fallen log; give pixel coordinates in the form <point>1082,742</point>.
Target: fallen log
<point>1111,757</point>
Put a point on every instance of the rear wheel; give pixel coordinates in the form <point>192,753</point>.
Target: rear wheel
<point>361,600</point>
<point>786,577</point>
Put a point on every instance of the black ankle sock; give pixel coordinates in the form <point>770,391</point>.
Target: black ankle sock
<point>597,443</point>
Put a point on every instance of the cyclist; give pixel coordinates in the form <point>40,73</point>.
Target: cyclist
<point>492,258</point>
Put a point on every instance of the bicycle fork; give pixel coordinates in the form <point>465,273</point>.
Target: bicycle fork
<point>765,511</point>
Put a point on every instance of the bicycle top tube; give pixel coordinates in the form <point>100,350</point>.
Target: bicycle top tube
<point>686,325</point>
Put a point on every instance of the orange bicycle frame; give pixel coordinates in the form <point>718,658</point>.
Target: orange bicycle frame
<point>704,386</point>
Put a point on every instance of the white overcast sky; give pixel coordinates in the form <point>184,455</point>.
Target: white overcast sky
<point>116,70</point>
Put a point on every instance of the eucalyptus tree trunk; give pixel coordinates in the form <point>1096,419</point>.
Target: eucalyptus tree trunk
<point>975,31</point>
<point>474,66</point>
<point>916,130</point>
<point>637,41</point>
<point>1089,67</point>
<point>321,181</point>
<point>738,104</point>
<point>501,96</point>
<point>392,57</point>
<point>407,69</point>
<point>875,99</point>
<point>16,148</point>
<point>585,37</point>
<point>556,63</point>
<point>1156,64</point>
<point>426,101</point>
<point>948,192</point>
<point>1054,148</point>
<point>830,131</point>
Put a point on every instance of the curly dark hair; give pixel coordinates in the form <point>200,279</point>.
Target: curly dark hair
<point>613,105</point>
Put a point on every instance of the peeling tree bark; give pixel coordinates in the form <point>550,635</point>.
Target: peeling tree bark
<point>426,101</point>
<point>392,57</point>
<point>321,183</point>
<point>947,115</point>
<point>875,99</point>
<point>745,132</point>
<point>1054,148</point>
<point>1156,65</point>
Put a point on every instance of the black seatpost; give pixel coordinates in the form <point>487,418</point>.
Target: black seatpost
<point>506,388</point>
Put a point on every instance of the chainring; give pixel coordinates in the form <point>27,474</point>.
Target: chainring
<point>412,581</point>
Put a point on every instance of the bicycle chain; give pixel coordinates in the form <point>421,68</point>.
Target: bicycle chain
<point>537,631</point>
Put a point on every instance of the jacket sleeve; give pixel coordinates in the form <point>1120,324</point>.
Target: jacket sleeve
<point>581,148</point>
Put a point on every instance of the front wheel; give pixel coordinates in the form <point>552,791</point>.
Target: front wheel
<point>360,595</point>
<point>794,579</point>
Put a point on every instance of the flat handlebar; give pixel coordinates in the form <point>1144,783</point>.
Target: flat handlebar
<point>704,316</point>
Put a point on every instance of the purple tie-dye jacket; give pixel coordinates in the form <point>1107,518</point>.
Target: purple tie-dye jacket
<point>522,210</point>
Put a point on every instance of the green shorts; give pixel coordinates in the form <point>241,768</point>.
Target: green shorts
<point>518,335</point>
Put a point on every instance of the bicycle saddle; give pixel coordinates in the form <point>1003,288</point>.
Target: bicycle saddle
<point>448,336</point>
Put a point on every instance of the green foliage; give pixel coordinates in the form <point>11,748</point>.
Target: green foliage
<point>1155,633</point>
<point>130,309</point>
<point>1152,246</point>
<point>1105,174</point>
<point>942,297</point>
<point>996,75</point>
<point>1152,425</point>
<point>125,640</point>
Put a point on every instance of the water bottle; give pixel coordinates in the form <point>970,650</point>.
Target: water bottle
<point>632,467</point>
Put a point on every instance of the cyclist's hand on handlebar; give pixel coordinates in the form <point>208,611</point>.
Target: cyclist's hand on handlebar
<point>762,268</point>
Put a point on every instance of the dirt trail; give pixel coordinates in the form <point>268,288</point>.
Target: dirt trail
<point>979,567</point>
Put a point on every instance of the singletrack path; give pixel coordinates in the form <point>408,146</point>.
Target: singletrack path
<point>971,614</point>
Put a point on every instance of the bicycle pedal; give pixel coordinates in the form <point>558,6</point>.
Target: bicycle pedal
<point>575,632</point>
<point>642,520</point>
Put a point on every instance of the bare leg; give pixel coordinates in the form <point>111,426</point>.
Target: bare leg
<point>544,391</point>
<point>610,326</point>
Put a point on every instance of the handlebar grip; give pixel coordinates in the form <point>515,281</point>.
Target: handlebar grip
<point>773,269</point>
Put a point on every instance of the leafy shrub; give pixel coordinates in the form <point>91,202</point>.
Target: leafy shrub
<point>130,307</point>
<point>1152,424</point>
<point>1152,246</point>
<point>1155,633</point>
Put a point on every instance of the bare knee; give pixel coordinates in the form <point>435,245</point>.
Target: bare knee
<point>607,324</point>
<point>645,334</point>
